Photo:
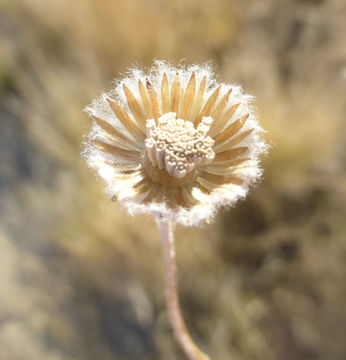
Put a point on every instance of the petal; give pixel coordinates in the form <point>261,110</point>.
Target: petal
<point>224,170</point>
<point>126,121</point>
<point>199,98</point>
<point>235,141</point>
<point>230,130</point>
<point>179,197</point>
<point>175,94</point>
<point>145,99</point>
<point>129,186</point>
<point>220,107</point>
<point>219,125</point>
<point>121,176</point>
<point>154,101</point>
<point>230,154</point>
<point>208,106</point>
<point>165,94</point>
<point>225,164</point>
<point>116,134</point>
<point>123,166</point>
<point>201,194</point>
<point>220,179</point>
<point>205,186</point>
<point>188,98</point>
<point>121,143</point>
<point>142,186</point>
<point>114,150</point>
<point>176,197</point>
<point>155,194</point>
<point>135,107</point>
<point>189,199</point>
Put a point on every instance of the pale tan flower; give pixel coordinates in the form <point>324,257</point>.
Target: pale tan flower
<point>173,142</point>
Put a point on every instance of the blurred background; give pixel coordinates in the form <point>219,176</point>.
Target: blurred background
<point>82,280</point>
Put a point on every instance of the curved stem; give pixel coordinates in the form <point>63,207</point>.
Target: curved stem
<point>180,330</point>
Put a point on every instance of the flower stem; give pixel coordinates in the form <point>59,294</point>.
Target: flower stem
<point>179,327</point>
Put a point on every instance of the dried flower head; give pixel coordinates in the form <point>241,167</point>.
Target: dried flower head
<point>174,142</point>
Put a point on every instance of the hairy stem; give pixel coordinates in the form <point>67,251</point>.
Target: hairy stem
<point>180,330</point>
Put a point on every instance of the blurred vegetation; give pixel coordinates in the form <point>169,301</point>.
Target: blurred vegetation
<point>80,279</point>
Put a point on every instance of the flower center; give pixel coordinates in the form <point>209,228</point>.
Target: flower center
<point>176,146</point>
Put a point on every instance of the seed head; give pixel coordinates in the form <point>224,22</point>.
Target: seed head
<point>175,143</point>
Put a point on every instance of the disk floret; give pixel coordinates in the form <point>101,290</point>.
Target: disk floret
<point>177,146</point>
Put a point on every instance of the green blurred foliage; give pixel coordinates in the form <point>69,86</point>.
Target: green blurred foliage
<point>80,279</point>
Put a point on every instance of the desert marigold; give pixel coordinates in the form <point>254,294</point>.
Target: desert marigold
<point>174,142</point>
